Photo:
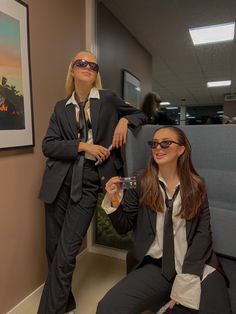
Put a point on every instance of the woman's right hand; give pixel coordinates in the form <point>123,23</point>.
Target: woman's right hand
<point>113,188</point>
<point>99,152</point>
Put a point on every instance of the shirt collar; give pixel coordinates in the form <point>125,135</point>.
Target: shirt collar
<point>162,180</point>
<point>94,93</point>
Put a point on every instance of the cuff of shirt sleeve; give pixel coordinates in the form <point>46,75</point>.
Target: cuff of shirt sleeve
<point>186,290</point>
<point>106,204</point>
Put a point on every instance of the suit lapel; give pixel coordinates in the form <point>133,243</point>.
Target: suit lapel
<point>70,114</point>
<point>95,105</point>
<point>188,227</point>
<point>152,217</point>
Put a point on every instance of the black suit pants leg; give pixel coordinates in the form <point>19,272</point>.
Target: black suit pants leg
<point>77,218</point>
<point>54,219</point>
<point>142,289</point>
<point>215,295</point>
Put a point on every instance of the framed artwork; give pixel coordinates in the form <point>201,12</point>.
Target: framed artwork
<point>131,88</point>
<point>16,109</point>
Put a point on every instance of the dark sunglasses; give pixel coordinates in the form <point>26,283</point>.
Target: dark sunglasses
<point>82,63</point>
<point>164,144</point>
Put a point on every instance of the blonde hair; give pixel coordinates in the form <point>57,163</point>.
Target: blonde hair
<point>70,85</point>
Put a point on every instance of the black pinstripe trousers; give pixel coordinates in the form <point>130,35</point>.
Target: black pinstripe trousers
<point>66,225</point>
<point>146,289</point>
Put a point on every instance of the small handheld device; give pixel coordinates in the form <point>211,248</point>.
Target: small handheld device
<point>128,183</point>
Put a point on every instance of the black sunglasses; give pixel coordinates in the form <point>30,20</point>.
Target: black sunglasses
<point>164,144</point>
<point>82,63</point>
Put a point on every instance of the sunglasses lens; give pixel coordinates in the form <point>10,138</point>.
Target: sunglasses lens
<point>165,144</point>
<point>81,63</point>
<point>94,66</point>
<point>152,144</point>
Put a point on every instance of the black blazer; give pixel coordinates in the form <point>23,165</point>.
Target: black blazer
<point>131,215</point>
<point>60,144</point>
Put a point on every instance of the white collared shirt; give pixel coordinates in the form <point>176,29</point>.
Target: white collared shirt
<point>94,93</point>
<point>179,230</point>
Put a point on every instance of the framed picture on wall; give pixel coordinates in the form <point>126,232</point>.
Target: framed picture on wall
<point>16,110</point>
<point>131,88</point>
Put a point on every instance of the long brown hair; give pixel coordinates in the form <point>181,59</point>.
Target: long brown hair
<point>151,104</point>
<point>193,191</point>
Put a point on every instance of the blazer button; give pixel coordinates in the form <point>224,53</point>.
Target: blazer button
<point>102,178</point>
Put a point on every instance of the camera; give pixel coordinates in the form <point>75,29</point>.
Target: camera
<point>128,183</point>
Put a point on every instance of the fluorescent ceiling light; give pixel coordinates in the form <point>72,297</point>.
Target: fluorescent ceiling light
<point>164,103</point>
<point>219,83</point>
<point>212,34</point>
<point>172,108</point>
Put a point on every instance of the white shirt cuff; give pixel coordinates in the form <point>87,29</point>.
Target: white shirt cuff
<point>106,204</point>
<point>186,290</point>
<point>207,271</point>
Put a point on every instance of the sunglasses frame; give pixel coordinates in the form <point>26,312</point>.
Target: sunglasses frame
<point>154,146</point>
<point>83,63</point>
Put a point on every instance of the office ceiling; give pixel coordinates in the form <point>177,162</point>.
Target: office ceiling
<point>180,69</point>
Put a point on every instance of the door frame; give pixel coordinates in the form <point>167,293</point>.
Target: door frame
<point>91,45</point>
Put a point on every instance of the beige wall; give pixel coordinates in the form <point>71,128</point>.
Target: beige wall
<point>117,50</point>
<point>57,32</point>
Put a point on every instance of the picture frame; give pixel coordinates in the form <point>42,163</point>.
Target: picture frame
<point>131,88</point>
<point>16,108</point>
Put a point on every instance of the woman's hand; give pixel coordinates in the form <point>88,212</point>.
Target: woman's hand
<point>113,188</point>
<point>120,133</point>
<point>168,305</point>
<point>172,304</point>
<point>99,152</point>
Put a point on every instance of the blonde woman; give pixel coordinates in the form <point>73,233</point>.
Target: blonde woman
<point>82,143</point>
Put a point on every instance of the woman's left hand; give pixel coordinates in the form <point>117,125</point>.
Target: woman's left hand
<point>120,133</point>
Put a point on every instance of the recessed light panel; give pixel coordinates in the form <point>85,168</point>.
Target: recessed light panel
<point>164,103</point>
<point>219,83</point>
<point>212,34</point>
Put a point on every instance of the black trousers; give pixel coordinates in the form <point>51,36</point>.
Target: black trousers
<point>146,289</point>
<point>66,226</point>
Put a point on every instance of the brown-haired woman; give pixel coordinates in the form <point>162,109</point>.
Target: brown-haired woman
<point>170,262</point>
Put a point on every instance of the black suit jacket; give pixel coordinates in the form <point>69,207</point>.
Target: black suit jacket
<point>60,144</point>
<point>131,215</point>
